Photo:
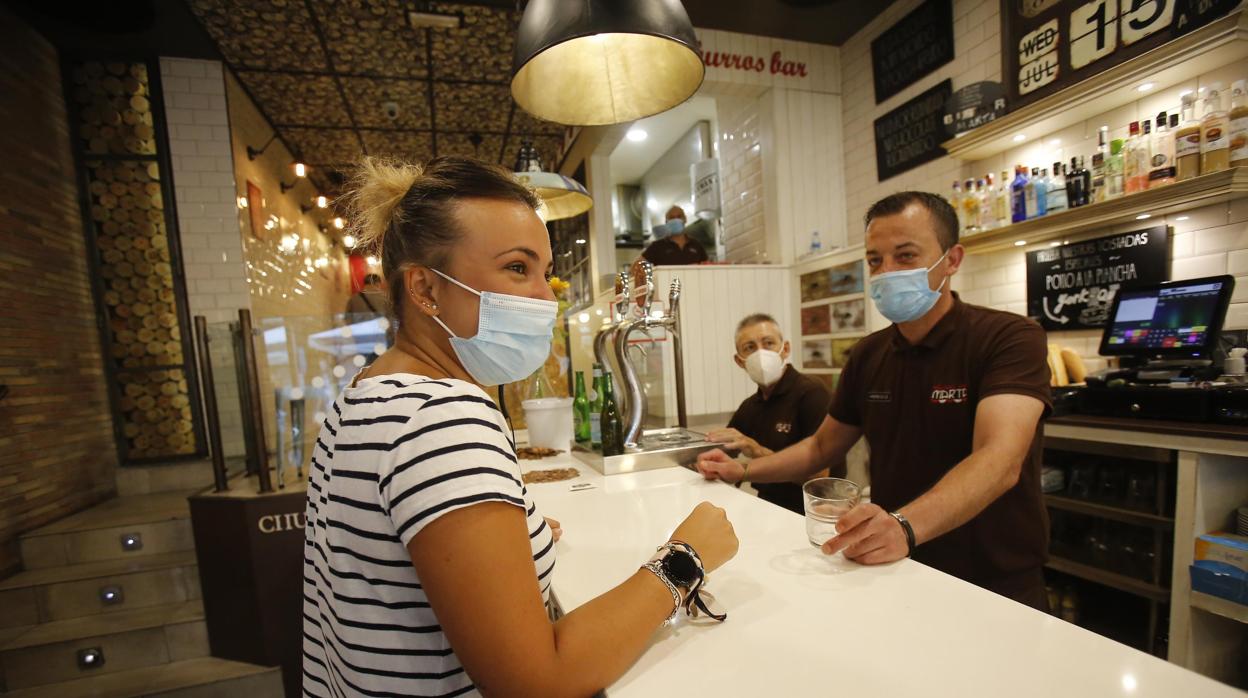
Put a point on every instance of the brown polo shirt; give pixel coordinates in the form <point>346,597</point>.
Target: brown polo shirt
<point>916,407</point>
<point>794,410</point>
<point>665,252</point>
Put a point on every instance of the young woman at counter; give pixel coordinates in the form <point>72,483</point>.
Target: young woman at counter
<point>427,569</point>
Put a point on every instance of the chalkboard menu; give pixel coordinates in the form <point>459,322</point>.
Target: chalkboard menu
<point>920,43</point>
<point>1072,287</point>
<point>1048,45</point>
<point>911,134</point>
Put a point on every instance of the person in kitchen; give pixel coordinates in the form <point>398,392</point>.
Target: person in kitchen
<point>950,398</point>
<point>787,407</point>
<point>673,245</point>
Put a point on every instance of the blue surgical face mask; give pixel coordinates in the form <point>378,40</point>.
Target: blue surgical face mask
<point>903,296</point>
<point>512,340</point>
<point>675,226</point>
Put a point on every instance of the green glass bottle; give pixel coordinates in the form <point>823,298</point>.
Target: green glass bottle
<point>612,425</point>
<point>595,410</point>
<point>580,410</point>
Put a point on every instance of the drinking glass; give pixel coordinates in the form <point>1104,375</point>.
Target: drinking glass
<point>826,500</point>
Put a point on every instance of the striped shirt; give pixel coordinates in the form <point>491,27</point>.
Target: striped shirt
<point>394,454</point>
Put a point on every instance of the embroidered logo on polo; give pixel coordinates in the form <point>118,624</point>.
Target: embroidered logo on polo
<point>879,396</point>
<point>946,394</point>
<point>783,427</point>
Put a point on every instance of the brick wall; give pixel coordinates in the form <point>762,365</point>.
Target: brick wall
<point>57,453</point>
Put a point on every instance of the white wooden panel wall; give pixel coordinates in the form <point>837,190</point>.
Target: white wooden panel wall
<point>808,157</point>
<point>714,299</point>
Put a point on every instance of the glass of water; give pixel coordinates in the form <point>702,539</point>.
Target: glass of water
<point>826,500</point>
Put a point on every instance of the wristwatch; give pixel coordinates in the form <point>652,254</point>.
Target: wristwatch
<point>680,566</point>
<point>907,528</point>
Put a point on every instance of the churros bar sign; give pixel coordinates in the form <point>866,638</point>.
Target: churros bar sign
<point>775,65</point>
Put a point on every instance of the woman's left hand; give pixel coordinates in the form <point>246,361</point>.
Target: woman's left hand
<point>556,529</point>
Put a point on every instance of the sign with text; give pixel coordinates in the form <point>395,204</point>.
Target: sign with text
<point>1072,287</point>
<point>1048,45</point>
<point>920,43</point>
<point>973,106</point>
<point>911,134</point>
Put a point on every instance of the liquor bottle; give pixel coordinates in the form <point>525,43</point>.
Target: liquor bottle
<point>1132,163</point>
<point>1001,200</point>
<point>1114,176</point>
<point>1187,141</point>
<point>595,410</point>
<point>1162,164</point>
<point>1215,141</point>
<point>1074,185</point>
<point>987,199</point>
<point>1098,167</point>
<point>1018,195</point>
<point>580,411</point>
<point>1239,123</point>
<point>1032,197</point>
<point>1057,190</point>
<point>970,207</point>
<point>612,425</point>
<point>1086,175</point>
<point>955,200</point>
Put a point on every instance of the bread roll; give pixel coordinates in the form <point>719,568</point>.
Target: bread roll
<point>1075,370</point>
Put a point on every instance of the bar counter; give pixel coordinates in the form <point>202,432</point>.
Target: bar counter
<point>800,623</point>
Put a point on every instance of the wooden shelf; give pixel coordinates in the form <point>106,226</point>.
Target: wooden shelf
<point>1097,218</point>
<point>1105,511</point>
<point>1220,606</point>
<point>1223,42</point>
<point>1109,579</point>
<point>859,295</point>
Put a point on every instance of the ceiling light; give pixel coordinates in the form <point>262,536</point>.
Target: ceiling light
<point>434,20</point>
<point>1055,244</point>
<point>1143,216</point>
<point>1019,137</point>
<point>339,223</point>
<point>322,202</point>
<point>1182,218</point>
<point>1055,141</point>
<point>637,135</point>
<point>583,317</point>
<point>348,241</point>
<point>1020,243</point>
<point>1145,87</point>
<point>301,170</point>
<point>604,62</point>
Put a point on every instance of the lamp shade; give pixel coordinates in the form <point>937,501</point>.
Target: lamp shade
<point>599,62</point>
<point>564,197</point>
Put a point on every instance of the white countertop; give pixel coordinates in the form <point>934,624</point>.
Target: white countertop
<point>800,623</point>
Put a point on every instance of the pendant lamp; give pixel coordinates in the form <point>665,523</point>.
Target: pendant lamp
<point>563,197</point>
<point>599,62</point>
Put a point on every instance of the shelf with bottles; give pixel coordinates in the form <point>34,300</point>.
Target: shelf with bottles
<point>1220,43</point>
<point>1101,608</point>
<point>1096,217</point>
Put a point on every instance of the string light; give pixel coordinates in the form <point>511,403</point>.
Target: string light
<point>301,170</point>
<point>322,202</point>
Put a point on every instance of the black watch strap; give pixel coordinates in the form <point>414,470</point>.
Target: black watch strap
<point>905,526</point>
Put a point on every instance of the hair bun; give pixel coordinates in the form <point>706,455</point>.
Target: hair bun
<point>377,188</point>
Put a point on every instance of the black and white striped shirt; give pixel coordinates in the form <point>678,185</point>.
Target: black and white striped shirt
<point>394,454</point>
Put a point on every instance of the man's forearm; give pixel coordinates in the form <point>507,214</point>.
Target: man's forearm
<point>961,494</point>
<point>789,465</point>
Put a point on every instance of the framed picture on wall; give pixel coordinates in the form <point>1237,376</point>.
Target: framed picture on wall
<point>255,209</point>
<point>817,354</point>
<point>845,279</point>
<point>815,286</point>
<point>848,316</point>
<point>816,320</point>
<point>840,351</point>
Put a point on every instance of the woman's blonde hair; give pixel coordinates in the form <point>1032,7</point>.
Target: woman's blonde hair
<point>405,213</point>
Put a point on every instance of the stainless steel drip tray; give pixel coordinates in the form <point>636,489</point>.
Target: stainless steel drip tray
<point>658,448</point>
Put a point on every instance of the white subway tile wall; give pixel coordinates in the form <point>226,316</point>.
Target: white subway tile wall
<point>741,178</point>
<point>203,180</point>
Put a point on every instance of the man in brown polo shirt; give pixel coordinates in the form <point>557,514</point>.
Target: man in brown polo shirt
<point>674,246</point>
<point>950,399</point>
<point>787,407</point>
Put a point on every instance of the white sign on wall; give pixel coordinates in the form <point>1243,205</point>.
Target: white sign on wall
<point>1037,56</point>
<point>705,176</point>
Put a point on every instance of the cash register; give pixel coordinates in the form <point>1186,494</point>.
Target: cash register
<point>1166,337</point>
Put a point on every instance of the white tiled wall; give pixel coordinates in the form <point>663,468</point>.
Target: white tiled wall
<point>203,179</point>
<point>977,56</point>
<point>741,178</point>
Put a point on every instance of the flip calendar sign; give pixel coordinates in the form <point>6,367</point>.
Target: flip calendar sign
<point>1052,44</point>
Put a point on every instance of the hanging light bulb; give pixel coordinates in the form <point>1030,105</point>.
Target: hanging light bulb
<point>348,241</point>
<point>339,223</point>
<point>322,202</point>
<point>598,62</point>
<point>301,170</point>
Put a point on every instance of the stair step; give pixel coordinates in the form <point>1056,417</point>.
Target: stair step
<point>161,520</point>
<point>48,653</point>
<point>71,591</point>
<point>203,677</point>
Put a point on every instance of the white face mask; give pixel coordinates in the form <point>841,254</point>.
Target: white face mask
<point>765,367</point>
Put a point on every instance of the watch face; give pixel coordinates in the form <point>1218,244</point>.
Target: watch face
<point>680,568</point>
